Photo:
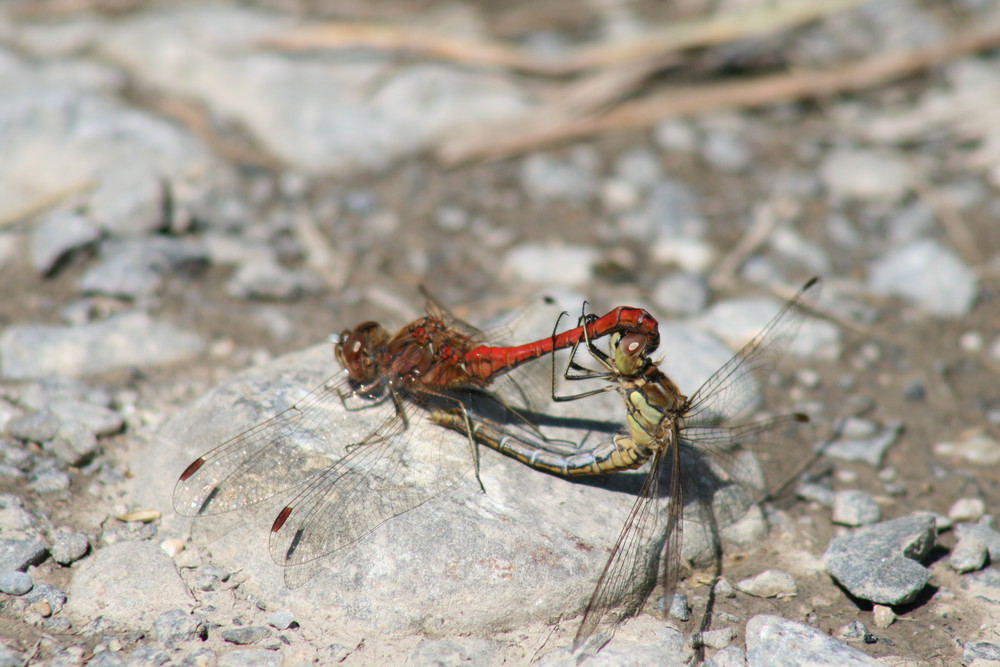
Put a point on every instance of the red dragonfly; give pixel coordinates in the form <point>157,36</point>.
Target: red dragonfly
<point>369,471</point>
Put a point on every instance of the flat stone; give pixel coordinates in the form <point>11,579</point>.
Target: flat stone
<point>281,620</point>
<point>176,626</point>
<point>69,546</point>
<point>15,582</point>
<point>927,274</point>
<point>967,509</point>
<point>855,508</point>
<point>977,448</point>
<point>986,651</point>
<point>263,277</point>
<point>547,178</point>
<point>13,515</point>
<point>121,341</point>
<point>249,634</point>
<point>881,562</point>
<point>128,582</point>
<point>769,584</point>
<point>865,175</point>
<point>129,201</point>
<point>865,450</point>
<point>56,236</point>
<point>135,268</point>
<point>984,531</point>
<point>773,641</point>
<point>547,264</point>
<point>681,294</point>
<point>968,554</point>
<point>37,427</point>
<point>52,597</point>
<point>984,584</point>
<point>21,554</point>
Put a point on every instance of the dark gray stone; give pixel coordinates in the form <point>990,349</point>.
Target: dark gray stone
<point>984,531</point>
<point>55,598</point>
<point>881,562</point>
<point>14,582</point>
<point>176,626</point>
<point>21,554</point>
<point>980,651</point>
<point>250,634</point>
<point>69,546</point>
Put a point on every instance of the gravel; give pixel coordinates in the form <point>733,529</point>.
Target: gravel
<point>769,584</point>
<point>176,626</point>
<point>881,562</point>
<point>855,508</point>
<point>13,582</point>
<point>928,274</point>
<point>776,642</point>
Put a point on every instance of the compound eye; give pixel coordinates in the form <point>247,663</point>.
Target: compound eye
<point>633,344</point>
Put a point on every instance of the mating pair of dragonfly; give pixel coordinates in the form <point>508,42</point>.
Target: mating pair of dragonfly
<point>438,368</point>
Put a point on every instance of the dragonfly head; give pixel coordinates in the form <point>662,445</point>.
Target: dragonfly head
<point>630,351</point>
<point>359,350</point>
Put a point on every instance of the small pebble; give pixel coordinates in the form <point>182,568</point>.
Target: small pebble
<point>281,620</point>
<point>883,616</point>
<point>984,651</point>
<point>971,341</point>
<point>855,508</point>
<point>807,378</point>
<point>769,584</point>
<point>250,634</point>
<point>715,639</point>
<point>14,582</point>
<point>967,510</point>
<point>176,626</point>
<point>976,447</point>
<point>68,546</point>
<point>724,589</point>
<point>968,555</point>
<point>853,631</point>
<point>914,390</point>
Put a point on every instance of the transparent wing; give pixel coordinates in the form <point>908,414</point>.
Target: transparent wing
<point>381,477</point>
<point>634,565</point>
<point>280,453</point>
<point>731,390</point>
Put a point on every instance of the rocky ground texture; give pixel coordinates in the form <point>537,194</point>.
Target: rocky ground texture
<point>184,196</point>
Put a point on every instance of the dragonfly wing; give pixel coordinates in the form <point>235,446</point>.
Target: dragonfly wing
<point>401,465</point>
<point>273,456</point>
<point>634,565</point>
<point>732,390</point>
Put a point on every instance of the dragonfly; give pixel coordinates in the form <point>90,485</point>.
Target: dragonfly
<point>370,470</point>
<point>665,430</point>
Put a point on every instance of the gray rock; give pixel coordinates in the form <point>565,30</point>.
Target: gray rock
<point>122,341</point>
<point>716,639</point>
<point>56,236</point>
<point>984,531</point>
<point>676,136</point>
<point>726,150</point>
<point>769,584</point>
<point>13,515</point>
<point>501,573</point>
<point>816,493</point>
<point>910,222</point>
<point>54,597</point>
<point>800,251</point>
<point>281,620</point>
<point>855,508</point>
<point>15,582</point>
<point>864,450</point>
<point>106,658</point>
<point>176,626</point>
<point>148,656</point>
<point>37,427</point>
<point>681,294</point>
<point>75,444</point>
<point>453,652</point>
<point>203,657</point>
<point>737,321</point>
<point>21,554</point>
<point>967,509</point>
<point>248,634</point>
<point>731,656</point>
<point>96,418</point>
<point>129,201</point>
<point>11,658</point>
<point>91,136</point>
<point>980,651</point>
<point>883,616</point>
<point>265,278</point>
<point>881,562</point>
<point>250,657</point>
<point>316,114</point>
<point>679,607</point>
<point>135,268</point>
<point>865,175</point>
<point>550,264</point>
<point>639,167</point>
<point>978,448</point>
<point>773,641</point>
<point>69,546</point>
<point>547,178</point>
<point>853,631</point>
<point>129,583</point>
<point>984,585</point>
<point>50,481</point>
<point>674,212</point>
<point>927,274</point>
